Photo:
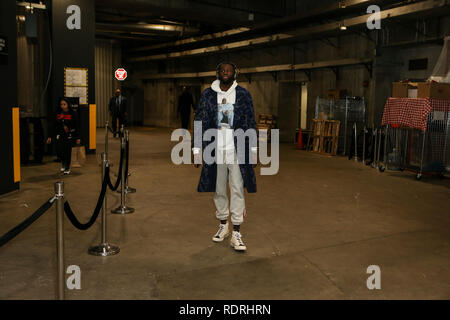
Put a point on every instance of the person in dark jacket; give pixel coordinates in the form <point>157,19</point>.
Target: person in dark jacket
<point>66,134</point>
<point>225,107</point>
<point>118,110</point>
<point>185,103</point>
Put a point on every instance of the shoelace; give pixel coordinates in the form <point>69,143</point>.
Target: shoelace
<point>238,237</point>
<point>221,228</point>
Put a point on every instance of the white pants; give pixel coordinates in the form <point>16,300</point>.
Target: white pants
<point>229,172</point>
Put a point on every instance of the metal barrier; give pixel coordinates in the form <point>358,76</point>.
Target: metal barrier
<point>59,196</point>
<point>348,111</point>
<point>62,206</point>
<point>104,248</point>
<point>123,209</point>
<point>420,151</point>
<point>128,189</point>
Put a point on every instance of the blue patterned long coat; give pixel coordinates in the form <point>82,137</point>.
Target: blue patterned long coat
<point>244,118</point>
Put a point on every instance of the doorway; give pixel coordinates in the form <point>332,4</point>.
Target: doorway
<point>289,103</point>
<point>195,92</point>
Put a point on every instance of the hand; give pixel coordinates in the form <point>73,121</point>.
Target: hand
<point>66,129</point>
<point>78,141</point>
<point>49,140</point>
<point>197,160</point>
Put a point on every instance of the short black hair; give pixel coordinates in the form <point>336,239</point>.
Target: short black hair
<point>226,62</point>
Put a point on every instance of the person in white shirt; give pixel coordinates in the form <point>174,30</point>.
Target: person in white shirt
<point>226,107</point>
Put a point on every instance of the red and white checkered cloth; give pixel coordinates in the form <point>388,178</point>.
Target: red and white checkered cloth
<point>411,112</point>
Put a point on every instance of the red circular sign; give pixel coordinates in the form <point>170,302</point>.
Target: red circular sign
<point>121,74</point>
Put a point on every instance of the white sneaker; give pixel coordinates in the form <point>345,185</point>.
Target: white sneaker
<point>222,233</point>
<point>236,242</point>
<point>66,171</point>
<point>62,169</point>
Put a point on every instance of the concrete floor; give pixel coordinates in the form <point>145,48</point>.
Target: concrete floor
<point>311,231</point>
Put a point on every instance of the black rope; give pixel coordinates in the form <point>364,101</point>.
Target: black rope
<point>119,177</point>
<point>71,216</point>
<point>26,223</point>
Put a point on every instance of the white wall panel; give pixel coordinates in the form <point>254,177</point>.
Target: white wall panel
<point>107,59</point>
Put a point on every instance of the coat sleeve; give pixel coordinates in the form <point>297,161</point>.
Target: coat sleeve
<point>200,116</point>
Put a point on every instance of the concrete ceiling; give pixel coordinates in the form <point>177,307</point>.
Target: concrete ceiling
<point>153,28</point>
<point>183,17</point>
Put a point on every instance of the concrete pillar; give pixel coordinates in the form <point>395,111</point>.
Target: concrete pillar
<point>8,89</point>
<point>73,45</point>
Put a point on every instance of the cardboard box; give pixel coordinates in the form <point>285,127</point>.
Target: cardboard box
<point>399,90</point>
<point>404,90</point>
<point>435,90</point>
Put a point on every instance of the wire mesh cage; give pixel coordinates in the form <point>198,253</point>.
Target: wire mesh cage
<point>421,151</point>
<point>349,111</point>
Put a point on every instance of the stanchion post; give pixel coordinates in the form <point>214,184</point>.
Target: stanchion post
<point>106,142</point>
<point>106,138</point>
<point>356,143</point>
<point>364,146</point>
<point>128,189</point>
<point>104,248</point>
<point>123,209</point>
<point>375,148</point>
<point>59,195</point>
<point>104,205</point>
<point>380,131</point>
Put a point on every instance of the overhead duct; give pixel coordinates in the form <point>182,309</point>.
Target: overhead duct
<point>260,69</point>
<point>440,7</point>
<point>145,28</point>
<point>338,8</point>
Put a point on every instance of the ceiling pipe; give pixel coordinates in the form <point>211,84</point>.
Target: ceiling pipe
<point>440,6</point>
<point>338,8</point>
<point>147,27</point>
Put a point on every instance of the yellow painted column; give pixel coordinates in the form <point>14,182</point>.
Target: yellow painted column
<point>16,143</point>
<point>92,126</point>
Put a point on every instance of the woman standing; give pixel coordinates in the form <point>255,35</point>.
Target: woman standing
<point>65,133</point>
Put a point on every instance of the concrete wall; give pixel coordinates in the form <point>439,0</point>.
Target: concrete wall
<point>390,64</point>
<point>107,60</point>
<point>160,103</point>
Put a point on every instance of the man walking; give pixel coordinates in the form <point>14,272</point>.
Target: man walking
<point>225,107</point>
<point>118,110</point>
<point>185,103</point>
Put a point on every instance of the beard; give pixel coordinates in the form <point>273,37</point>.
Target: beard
<point>226,81</point>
